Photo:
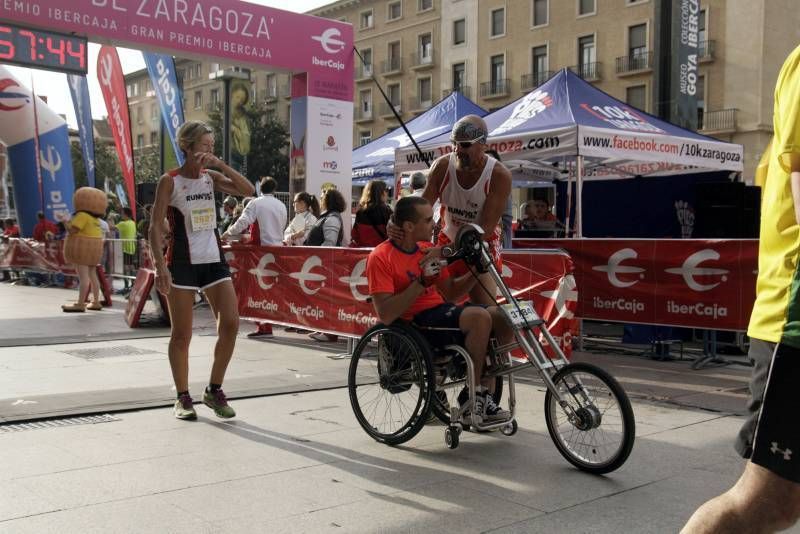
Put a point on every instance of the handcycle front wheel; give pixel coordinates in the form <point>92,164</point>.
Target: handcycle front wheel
<point>390,383</point>
<point>597,431</point>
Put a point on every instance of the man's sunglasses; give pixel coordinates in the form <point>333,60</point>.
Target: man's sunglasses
<point>466,144</point>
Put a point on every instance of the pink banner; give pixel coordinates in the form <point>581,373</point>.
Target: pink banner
<point>325,289</point>
<point>241,33</point>
<point>29,254</point>
<point>681,282</point>
<point>112,83</point>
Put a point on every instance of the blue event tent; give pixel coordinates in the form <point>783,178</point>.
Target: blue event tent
<point>567,128</point>
<point>375,160</point>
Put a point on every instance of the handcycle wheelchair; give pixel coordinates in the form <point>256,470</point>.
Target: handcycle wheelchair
<point>396,380</point>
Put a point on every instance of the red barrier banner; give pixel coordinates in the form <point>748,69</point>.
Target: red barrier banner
<point>35,256</point>
<point>325,289</point>
<point>676,282</point>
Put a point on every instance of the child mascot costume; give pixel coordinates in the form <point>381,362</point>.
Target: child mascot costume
<point>84,245</point>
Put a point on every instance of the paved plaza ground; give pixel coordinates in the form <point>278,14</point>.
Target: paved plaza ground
<point>295,459</point>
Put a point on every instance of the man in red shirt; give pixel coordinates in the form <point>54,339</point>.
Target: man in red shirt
<point>43,227</point>
<point>11,229</point>
<point>407,283</point>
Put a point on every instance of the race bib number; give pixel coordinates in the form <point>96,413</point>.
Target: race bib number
<point>203,219</point>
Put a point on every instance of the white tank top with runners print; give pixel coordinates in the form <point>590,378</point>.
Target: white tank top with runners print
<point>462,206</point>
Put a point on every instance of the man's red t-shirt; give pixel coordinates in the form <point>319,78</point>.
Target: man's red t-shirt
<point>11,231</point>
<point>41,229</point>
<point>391,270</point>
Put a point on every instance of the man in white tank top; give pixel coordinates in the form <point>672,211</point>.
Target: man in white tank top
<point>472,187</point>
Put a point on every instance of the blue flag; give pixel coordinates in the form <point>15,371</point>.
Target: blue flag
<point>83,113</point>
<point>162,73</point>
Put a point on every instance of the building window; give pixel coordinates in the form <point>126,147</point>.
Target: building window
<point>140,141</point>
<point>539,66</point>
<point>540,12</point>
<point>459,31</point>
<point>586,54</point>
<point>214,97</point>
<point>213,68</point>
<point>153,138</point>
<point>498,72</point>
<point>459,77</point>
<point>196,71</point>
<point>139,118</point>
<point>425,48</point>
<point>636,96</point>
<point>637,41</point>
<point>153,111</point>
<point>425,5</point>
<point>498,18</point>
<point>395,11</point>
<point>366,65</point>
<point>272,86</point>
<point>702,36</point>
<point>393,53</point>
<point>365,103</point>
<point>198,99</point>
<point>585,7</point>
<point>700,94</point>
<point>366,20</point>
<point>393,92</point>
<point>364,137</point>
<point>424,91</point>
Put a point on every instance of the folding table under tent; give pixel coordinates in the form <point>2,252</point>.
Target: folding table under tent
<point>375,160</point>
<point>569,126</point>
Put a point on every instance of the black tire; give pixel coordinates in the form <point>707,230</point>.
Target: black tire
<point>390,382</point>
<point>581,446</point>
<point>440,402</point>
<point>451,437</point>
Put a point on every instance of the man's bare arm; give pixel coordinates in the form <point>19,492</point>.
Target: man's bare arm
<point>499,191</point>
<point>390,307</point>
<point>435,177</point>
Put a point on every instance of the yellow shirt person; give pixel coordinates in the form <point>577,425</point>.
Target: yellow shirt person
<point>87,225</point>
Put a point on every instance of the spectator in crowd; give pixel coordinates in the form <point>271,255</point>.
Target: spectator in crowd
<point>328,231</point>
<point>418,181</point>
<point>127,233</point>
<point>45,229</point>
<point>266,217</point>
<point>143,226</point>
<point>229,205</point>
<point>537,215</point>
<point>306,209</point>
<point>372,216</point>
<point>10,228</point>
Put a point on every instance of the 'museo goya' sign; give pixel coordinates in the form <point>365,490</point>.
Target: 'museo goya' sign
<point>227,29</point>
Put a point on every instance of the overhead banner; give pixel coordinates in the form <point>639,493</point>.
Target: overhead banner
<point>161,69</point>
<point>675,282</point>
<point>17,131</point>
<point>112,83</point>
<point>79,89</point>
<point>685,26</point>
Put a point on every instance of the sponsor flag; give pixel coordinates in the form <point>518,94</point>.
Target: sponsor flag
<point>79,89</point>
<point>685,16</point>
<point>161,68</point>
<point>112,83</point>
<point>18,132</point>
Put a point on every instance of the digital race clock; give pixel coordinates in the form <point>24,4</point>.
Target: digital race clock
<point>42,49</point>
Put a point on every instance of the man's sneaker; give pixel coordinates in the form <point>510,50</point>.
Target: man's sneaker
<point>184,408</point>
<point>480,405</point>
<point>493,412</point>
<point>216,401</point>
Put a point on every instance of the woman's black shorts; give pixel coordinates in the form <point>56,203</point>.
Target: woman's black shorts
<point>199,277</point>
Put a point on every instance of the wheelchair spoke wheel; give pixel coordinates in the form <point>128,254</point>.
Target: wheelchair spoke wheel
<point>596,430</point>
<point>389,383</point>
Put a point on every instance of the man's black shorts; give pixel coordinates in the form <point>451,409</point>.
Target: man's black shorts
<point>442,316</point>
<point>771,435</point>
<point>199,277</point>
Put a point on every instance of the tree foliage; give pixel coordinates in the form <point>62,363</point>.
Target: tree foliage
<point>106,165</point>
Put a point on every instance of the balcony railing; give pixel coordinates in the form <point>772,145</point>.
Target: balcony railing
<point>363,115</point>
<point>587,71</point>
<point>496,88</point>
<point>422,60</point>
<point>364,72</point>
<point>420,103</point>
<point>706,50</point>
<point>465,90</point>
<point>634,62</point>
<point>392,66</point>
<point>532,81</point>
<point>386,110</point>
<point>723,120</point>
